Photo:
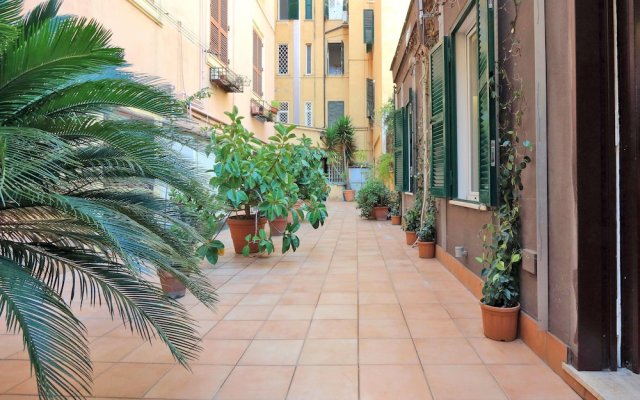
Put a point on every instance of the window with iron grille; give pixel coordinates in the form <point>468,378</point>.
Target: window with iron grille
<point>283,114</point>
<point>308,114</point>
<point>283,59</point>
<point>218,44</point>
<point>257,63</point>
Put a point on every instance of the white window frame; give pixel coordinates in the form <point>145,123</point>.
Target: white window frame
<point>342,71</point>
<point>308,59</point>
<point>336,10</point>
<point>283,112</point>
<point>308,114</point>
<point>286,18</point>
<point>286,71</point>
<point>467,131</point>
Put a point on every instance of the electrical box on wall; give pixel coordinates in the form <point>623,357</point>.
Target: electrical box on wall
<point>529,261</point>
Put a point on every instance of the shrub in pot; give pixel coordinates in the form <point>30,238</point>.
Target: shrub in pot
<point>339,140</point>
<point>501,291</point>
<point>427,240</point>
<point>373,200</point>
<point>394,209</point>
<point>411,224</point>
<point>257,182</point>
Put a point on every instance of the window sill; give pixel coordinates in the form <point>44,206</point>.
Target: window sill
<point>469,204</point>
<point>148,9</point>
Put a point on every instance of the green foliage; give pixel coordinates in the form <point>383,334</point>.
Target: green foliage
<point>384,169</point>
<point>502,254</point>
<point>79,219</point>
<point>339,141</point>
<point>428,231</point>
<point>388,122</point>
<point>250,174</point>
<point>394,204</point>
<point>411,220</point>
<point>373,193</point>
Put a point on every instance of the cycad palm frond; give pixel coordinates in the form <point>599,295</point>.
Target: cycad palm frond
<point>79,220</point>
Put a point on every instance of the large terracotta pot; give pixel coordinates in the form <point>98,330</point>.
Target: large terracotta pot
<point>396,220</point>
<point>278,226</point>
<point>500,323</point>
<point>171,286</point>
<point>411,237</point>
<point>381,213</point>
<point>426,249</point>
<point>240,228</point>
<point>349,195</point>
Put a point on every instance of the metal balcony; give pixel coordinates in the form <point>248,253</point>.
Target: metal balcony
<point>263,111</point>
<point>228,80</point>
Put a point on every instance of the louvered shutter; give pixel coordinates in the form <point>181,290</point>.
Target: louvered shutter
<point>308,9</point>
<point>438,180</point>
<point>368,28</point>
<point>398,147</point>
<point>335,111</point>
<point>406,146</point>
<point>218,41</point>
<point>486,105</point>
<point>294,9</point>
<point>371,93</point>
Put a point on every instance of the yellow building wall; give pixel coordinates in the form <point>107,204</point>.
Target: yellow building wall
<point>169,39</point>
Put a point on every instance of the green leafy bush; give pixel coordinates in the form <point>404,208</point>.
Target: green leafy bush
<point>411,221</point>
<point>394,204</point>
<point>374,193</point>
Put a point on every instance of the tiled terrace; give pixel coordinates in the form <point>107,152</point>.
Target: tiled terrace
<point>353,314</point>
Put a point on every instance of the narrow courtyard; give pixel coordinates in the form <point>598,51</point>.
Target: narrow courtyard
<point>353,314</point>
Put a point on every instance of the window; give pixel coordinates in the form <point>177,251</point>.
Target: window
<point>371,95</point>
<point>288,9</point>
<point>335,59</point>
<point>283,114</point>
<point>308,9</point>
<point>466,95</point>
<point>283,59</point>
<point>335,111</point>
<point>257,63</point>
<point>307,70</point>
<point>463,115</point>
<point>368,28</point>
<point>308,114</point>
<point>218,38</point>
<point>335,9</point>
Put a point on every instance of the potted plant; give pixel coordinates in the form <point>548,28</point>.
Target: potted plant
<point>427,240</point>
<point>275,107</point>
<point>373,200</point>
<point>345,138</point>
<point>394,209</point>
<point>411,224</point>
<point>257,182</point>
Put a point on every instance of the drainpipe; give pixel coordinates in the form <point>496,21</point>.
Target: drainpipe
<point>542,196</point>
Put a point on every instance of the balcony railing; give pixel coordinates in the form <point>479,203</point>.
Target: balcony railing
<point>263,111</point>
<point>228,80</point>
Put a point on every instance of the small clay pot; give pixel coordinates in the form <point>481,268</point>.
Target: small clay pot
<point>426,249</point>
<point>500,323</point>
<point>349,195</point>
<point>240,228</point>
<point>396,220</point>
<point>381,213</point>
<point>278,226</point>
<point>411,237</point>
<point>171,286</point>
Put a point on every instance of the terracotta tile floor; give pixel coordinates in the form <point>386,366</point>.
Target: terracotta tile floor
<point>353,314</point>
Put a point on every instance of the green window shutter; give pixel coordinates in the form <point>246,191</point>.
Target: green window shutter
<point>368,27</point>
<point>371,93</point>
<point>406,149</point>
<point>439,179</point>
<point>294,9</point>
<point>398,150</point>
<point>335,111</point>
<point>308,9</point>
<point>486,105</point>
<point>326,9</point>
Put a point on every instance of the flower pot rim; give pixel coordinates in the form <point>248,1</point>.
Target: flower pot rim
<point>500,309</point>
<point>420,241</point>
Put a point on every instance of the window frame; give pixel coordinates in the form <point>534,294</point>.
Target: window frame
<point>308,114</point>
<point>258,63</point>
<point>279,53</point>
<point>308,59</point>
<point>308,10</point>
<point>283,112</point>
<point>328,108</point>
<point>342,63</point>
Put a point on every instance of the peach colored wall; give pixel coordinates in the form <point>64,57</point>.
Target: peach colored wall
<point>172,46</point>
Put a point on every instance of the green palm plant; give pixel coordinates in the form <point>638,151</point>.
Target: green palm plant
<point>345,139</point>
<point>79,220</point>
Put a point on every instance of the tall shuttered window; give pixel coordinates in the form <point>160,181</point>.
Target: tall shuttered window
<point>308,9</point>
<point>371,96</point>
<point>463,116</point>
<point>218,38</point>
<point>308,55</point>
<point>257,63</point>
<point>399,145</point>
<point>368,28</point>
<point>288,9</point>
<point>335,111</point>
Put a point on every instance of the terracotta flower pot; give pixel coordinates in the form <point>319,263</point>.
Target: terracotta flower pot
<point>381,213</point>
<point>500,323</point>
<point>349,195</point>
<point>411,237</point>
<point>426,249</point>
<point>278,226</point>
<point>240,228</point>
<point>396,220</point>
<point>171,286</point>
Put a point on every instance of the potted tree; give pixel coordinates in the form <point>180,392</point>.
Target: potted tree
<point>257,182</point>
<point>345,139</point>
<point>394,209</point>
<point>411,224</point>
<point>373,200</point>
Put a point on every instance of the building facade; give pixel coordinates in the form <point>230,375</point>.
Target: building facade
<point>566,71</point>
<point>197,46</point>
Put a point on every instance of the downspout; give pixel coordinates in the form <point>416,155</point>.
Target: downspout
<point>542,196</point>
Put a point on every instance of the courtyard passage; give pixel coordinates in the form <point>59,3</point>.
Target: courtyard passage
<point>353,314</point>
